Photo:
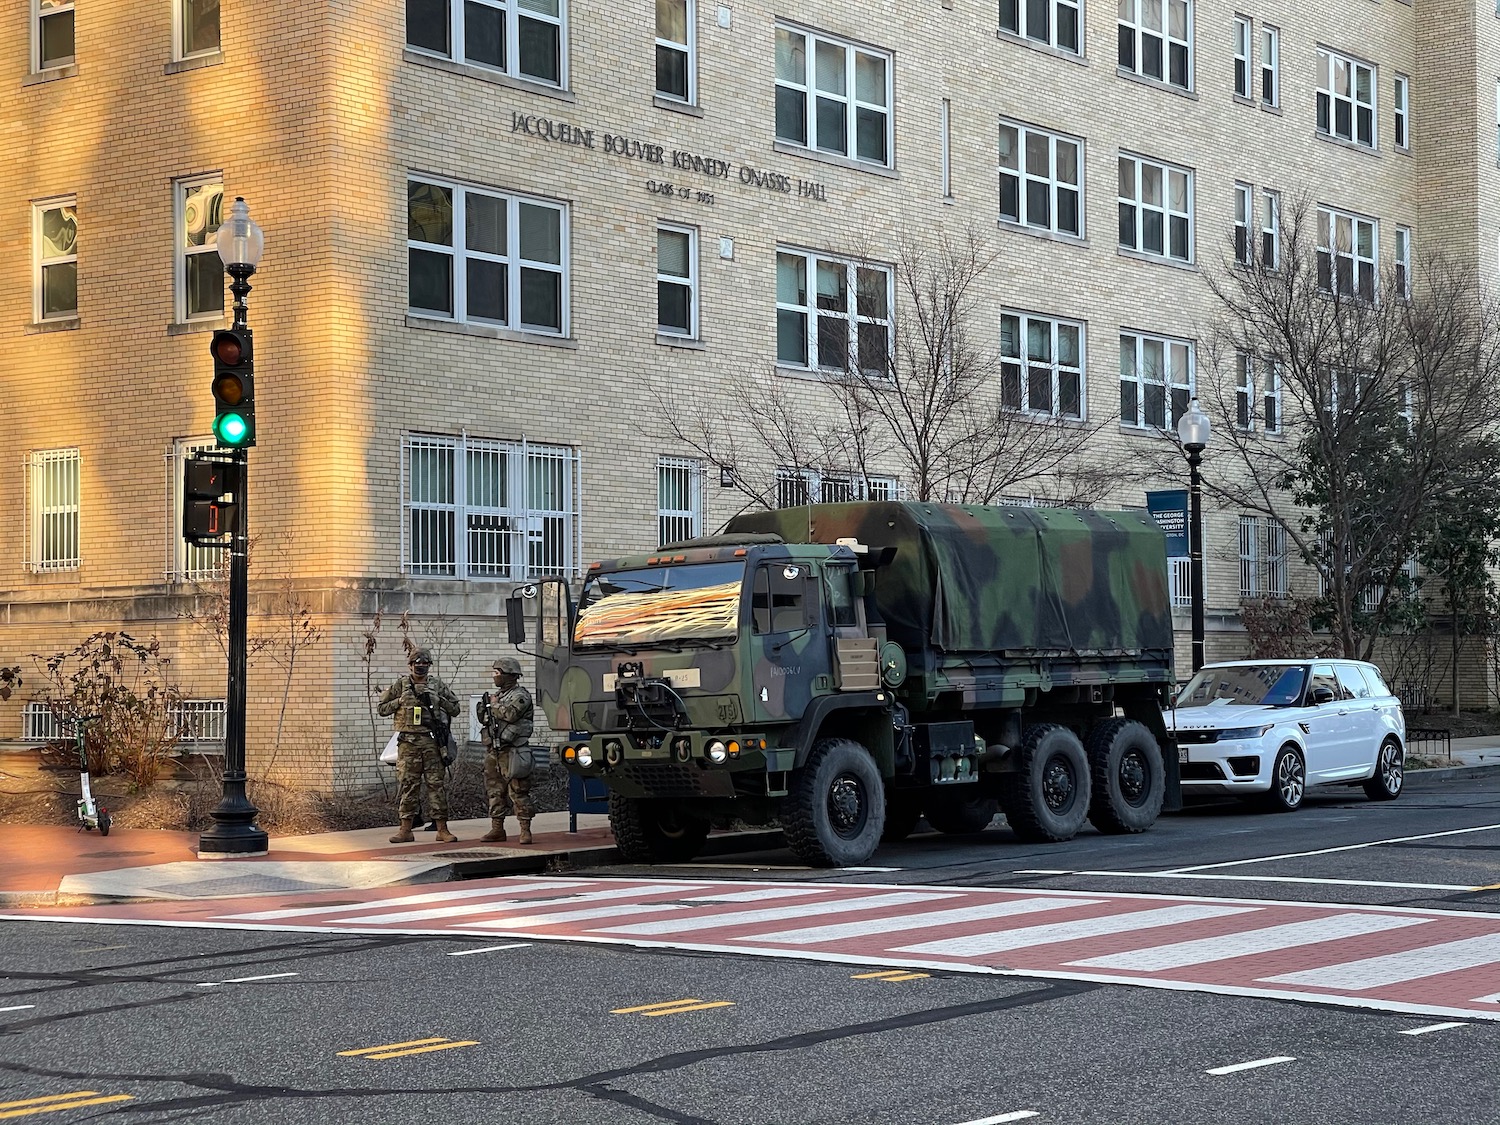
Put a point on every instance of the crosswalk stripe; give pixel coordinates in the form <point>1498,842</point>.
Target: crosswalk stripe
<point>404,900</point>
<point>837,932</point>
<point>619,910</point>
<point>680,925</point>
<point>1492,998</point>
<point>1244,943</point>
<point>761,895</point>
<point>1398,968</point>
<point>1024,937</point>
<point>498,905</point>
<point>1431,1028</point>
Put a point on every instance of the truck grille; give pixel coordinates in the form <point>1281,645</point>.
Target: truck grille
<point>663,779</point>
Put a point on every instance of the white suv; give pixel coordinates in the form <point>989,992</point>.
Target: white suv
<point>1274,727</point>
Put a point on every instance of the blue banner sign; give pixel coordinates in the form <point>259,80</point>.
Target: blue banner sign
<point>1170,510</point>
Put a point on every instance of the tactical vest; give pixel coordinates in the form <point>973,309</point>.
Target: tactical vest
<point>511,731</point>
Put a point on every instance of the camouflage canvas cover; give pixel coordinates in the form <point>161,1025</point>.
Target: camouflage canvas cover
<point>984,579</point>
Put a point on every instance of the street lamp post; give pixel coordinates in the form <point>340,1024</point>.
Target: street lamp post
<point>234,831</point>
<point>1193,430</point>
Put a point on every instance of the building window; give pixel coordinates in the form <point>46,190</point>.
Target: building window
<point>679,499</point>
<point>1403,261</point>
<point>1156,379</point>
<point>1041,179</point>
<point>1244,392</point>
<point>1041,365</point>
<point>1156,40</point>
<point>1275,559</point>
<point>795,487</point>
<point>676,43</point>
<point>54,503</point>
<point>1242,39</point>
<point>1249,557</point>
<point>1053,22</point>
<point>833,96</point>
<point>1401,88</point>
<point>1156,215</point>
<point>947,145</point>
<point>1243,196</point>
<point>199,205</point>
<point>1180,580</point>
<point>521,38</point>
<point>1270,66</point>
<point>473,508</point>
<point>187,562</point>
<point>1346,253</point>
<point>1271,399</point>
<point>485,258</point>
<point>1270,230</point>
<point>197,27</point>
<point>841,322</point>
<point>52,42</point>
<point>55,259</point>
<point>1346,99</point>
<point>677,281</point>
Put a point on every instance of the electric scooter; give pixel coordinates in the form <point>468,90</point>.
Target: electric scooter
<point>91,814</point>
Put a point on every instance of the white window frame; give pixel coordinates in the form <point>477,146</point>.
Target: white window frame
<point>688,282</point>
<point>1133,22</point>
<point>947,147</point>
<point>1244,392</point>
<point>678,478</point>
<point>1275,559</point>
<point>1018,366</point>
<point>1180,580</point>
<point>688,49</point>
<point>1244,204</point>
<point>1270,399</point>
<point>179,35</point>
<point>849,98</point>
<point>1244,38</point>
<point>1270,66</point>
<point>514,264</point>
<point>181,251</point>
<point>41,262</point>
<point>1335,251</point>
<point>1401,96</point>
<point>1015,19</point>
<point>515,542</point>
<point>1176,386</point>
<point>42,10</point>
<point>1139,171</point>
<point>856,318</point>
<point>1024,178</point>
<point>512,12</point>
<point>1331,64</point>
<point>1270,230</point>
<point>795,487</point>
<point>1250,559</point>
<point>1402,261</point>
<point>187,562</point>
<point>54,507</point>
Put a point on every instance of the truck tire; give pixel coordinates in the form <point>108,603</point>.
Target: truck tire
<point>648,831</point>
<point>1129,781</point>
<point>902,815</point>
<point>1047,799</point>
<point>961,814</point>
<point>835,807</point>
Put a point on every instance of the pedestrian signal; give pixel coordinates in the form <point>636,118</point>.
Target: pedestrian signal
<point>210,500</point>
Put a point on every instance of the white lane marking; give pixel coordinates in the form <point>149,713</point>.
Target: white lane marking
<point>1235,1067</point>
<point>404,900</point>
<point>876,869</point>
<point>1330,851</point>
<point>1257,879</point>
<point>1492,998</point>
<point>625,910</point>
<point>1222,947</point>
<point>243,980</point>
<point>500,905</point>
<point>1026,936</point>
<point>490,949</point>
<point>17,1008</point>
<point>774,914</point>
<point>815,934</point>
<point>1398,968</point>
<point>1018,1115</point>
<point>1432,1027</point>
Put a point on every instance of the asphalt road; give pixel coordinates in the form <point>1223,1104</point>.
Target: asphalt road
<point>164,1019</point>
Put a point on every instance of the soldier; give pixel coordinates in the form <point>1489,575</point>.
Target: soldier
<point>506,719</point>
<point>414,701</point>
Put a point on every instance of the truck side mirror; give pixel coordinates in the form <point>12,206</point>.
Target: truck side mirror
<point>515,620</point>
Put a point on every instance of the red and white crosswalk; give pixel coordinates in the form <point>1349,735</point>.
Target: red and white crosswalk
<point>1391,958</point>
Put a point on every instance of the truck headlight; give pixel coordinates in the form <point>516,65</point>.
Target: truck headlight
<point>585,757</point>
<point>717,752</point>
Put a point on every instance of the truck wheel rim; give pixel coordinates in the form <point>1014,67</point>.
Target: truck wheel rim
<point>1134,778</point>
<point>1057,784</point>
<point>846,805</point>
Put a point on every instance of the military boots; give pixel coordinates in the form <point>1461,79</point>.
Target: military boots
<point>443,835</point>
<point>525,832</point>
<point>496,834</point>
<point>403,835</point>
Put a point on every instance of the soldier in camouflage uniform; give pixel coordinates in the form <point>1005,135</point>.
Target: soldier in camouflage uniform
<point>506,718</point>
<point>413,701</point>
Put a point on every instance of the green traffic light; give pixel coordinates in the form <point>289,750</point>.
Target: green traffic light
<point>231,429</point>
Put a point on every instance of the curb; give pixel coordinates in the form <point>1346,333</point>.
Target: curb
<point>1423,778</point>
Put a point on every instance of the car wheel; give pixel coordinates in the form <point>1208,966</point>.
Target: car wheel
<point>648,831</point>
<point>1390,773</point>
<point>1288,781</point>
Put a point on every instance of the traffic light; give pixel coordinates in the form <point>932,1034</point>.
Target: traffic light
<point>234,388</point>
<point>207,516</point>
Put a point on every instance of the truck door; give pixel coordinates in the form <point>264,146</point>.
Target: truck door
<point>792,661</point>
<point>856,656</point>
<point>553,616</point>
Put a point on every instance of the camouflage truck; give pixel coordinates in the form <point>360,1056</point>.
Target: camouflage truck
<point>845,669</point>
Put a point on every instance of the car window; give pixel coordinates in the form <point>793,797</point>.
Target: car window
<point>1372,677</point>
<point>1322,676</point>
<point>1351,682</point>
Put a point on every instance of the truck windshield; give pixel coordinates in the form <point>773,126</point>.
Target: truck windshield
<point>669,603</point>
<point>1246,685</point>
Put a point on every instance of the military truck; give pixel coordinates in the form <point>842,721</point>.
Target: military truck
<point>846,669</point>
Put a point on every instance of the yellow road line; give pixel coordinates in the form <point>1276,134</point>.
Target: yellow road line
<point>907,976</point>
<point>59,1105</point>
<point>49,1098</point>
<point>423,1050</point>
<point>393,1046</point>
<point>649,1007</point>
<point>694,1008</point>
<point>890,975</point>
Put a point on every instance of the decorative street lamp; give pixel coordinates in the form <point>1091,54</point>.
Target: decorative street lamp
<point>234,831</point>
<point>1193,431</point>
